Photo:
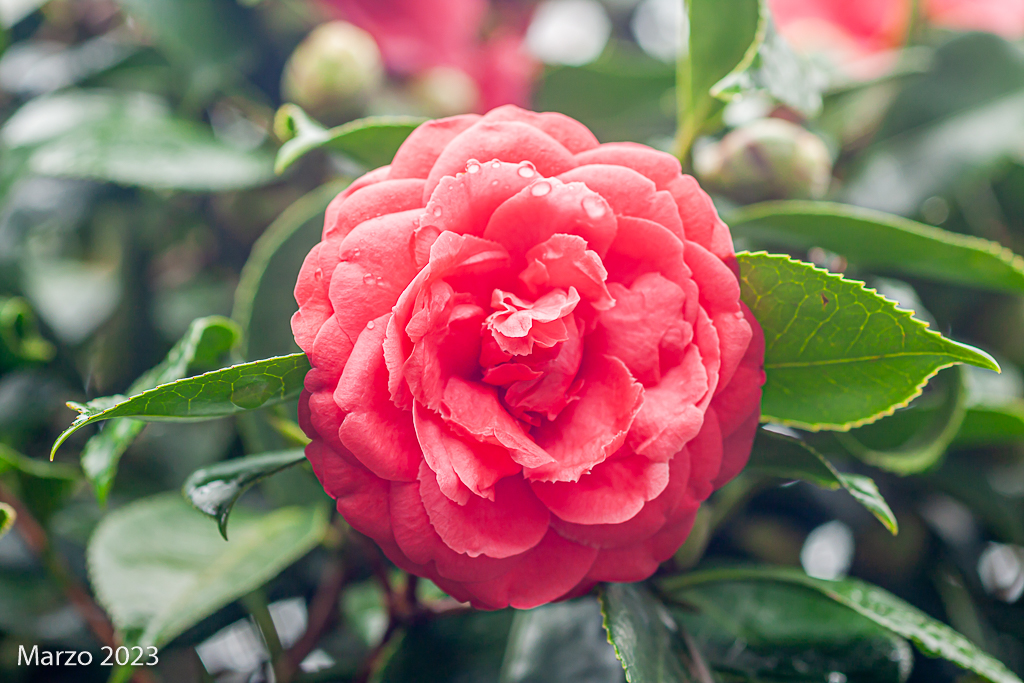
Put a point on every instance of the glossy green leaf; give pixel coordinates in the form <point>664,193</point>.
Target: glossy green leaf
<point>874,240</point>
<point>778,71</point>
<point>925,448</point>
<point>465,647</point>
<point>560,642</point>
<point>371,141</point>
<point>158,566</point>
<point>838,355</point>
<point>644,634</point>
<point>265,293</point>
<point>220,393</point>
<point>778,632</point>
<point>725,36</point>
<point>992,423</point>
<point>783,456</point>
<point>202,346</point>
<point>7,518</point>
<point>931,637</point>
<point>20,340</point>
<point>214,490</point>
<point>157,153</point>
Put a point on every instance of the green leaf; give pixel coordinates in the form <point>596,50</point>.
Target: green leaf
<point>777,70</point>
<point>465,647</point>
<point>19,338</point>
<point>7,518</point>
<point>220,393</point>
<point>838,355</point>
<point>771,631</point>
<point>931,637</point>
<point>371,141</point>
<point>157,153</point>
<point>879,241</point>
<point>560,642</point>
<point>644,634</point>
<point>924,450</point>
<point>725,36</point>
<point>783,456</point>
<point>264,296</point>
<point>197,33</point>
<point>214,490</point>
<point>202,346</point>
<point>159,567</point>
<point>39,469</point>
<point>992,423</point>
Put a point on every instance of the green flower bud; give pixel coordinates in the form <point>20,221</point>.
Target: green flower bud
<point>766,159</point>
<point>333,71</point>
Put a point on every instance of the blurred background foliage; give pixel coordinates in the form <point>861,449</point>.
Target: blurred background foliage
<point>138,194</point>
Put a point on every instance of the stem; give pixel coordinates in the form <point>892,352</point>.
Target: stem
<point>322,613</point>
<point>256,604</point>
<point>698,667</point>
<point>38,541</point>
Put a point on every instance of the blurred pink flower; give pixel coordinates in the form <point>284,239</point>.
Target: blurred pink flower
<point>848,31</point>
<point>1003,17</point>
<point>417,35</point>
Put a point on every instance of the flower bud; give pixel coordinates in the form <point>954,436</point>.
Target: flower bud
<point>332,71</point>
<point>444,91</point>
<point>766,159</point>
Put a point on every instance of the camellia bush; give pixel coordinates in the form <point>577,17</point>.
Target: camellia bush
<point>455,340</point>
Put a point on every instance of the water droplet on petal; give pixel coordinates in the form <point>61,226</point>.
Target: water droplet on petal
<point>368,279</point>
<point>472,167</point>
<point>370,325</point>
<point>380,279</point>
<point>593,205</point>
<point>526,171</point>
<point>494,182</point>
<point>540,189</point>
<point>319,274</point>
<point>355,253</point>
<point>437,211</point>
<point>495,164</point>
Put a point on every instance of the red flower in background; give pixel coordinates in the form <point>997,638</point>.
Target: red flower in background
<point>530,359</point>
<point>853,29</point>
<point>417,35</point>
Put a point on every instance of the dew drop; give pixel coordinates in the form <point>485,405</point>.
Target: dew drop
<point>540,189</point>
<point>380,279</point>
<point>437,211</point>
<point>494,182</point>
<point>368,279</point>
<point>355,253</point>
<point>526,172</point>
<point>495,164</point>
<point>472,167</point>
<point>593,206</point>
<point>319,274</point>
<point>370,325</point>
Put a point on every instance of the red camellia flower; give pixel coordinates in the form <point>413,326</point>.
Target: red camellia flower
<point>530,358</point>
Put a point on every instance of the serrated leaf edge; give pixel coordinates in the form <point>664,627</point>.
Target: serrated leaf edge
<point>845,427</point>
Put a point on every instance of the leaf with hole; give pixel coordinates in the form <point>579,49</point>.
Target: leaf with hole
<point>202,346</point>
<point>783,456</point>
<point>220,393</point>
<point>931,637</point>
<point>158,567</point>
<point>214,490</point>
<point>882,242</point>
<point>371,141</point>
<point>838,355</point>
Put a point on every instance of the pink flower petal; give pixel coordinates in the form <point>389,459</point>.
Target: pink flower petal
<point>660,167</point>
<point>462,467</point>
<point>464,203</point>
<point>612,493</point>
<point>593,427</point>
<point>509,141</point>
<point>572,134</point>
<point>367,202</point>
<point>671,414</point>
<point>564,261</point>
<point>420,151</point>
<point>701,223</point>
<point>550,207</point>
<point>512,524</point>
<point>629,193</point>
